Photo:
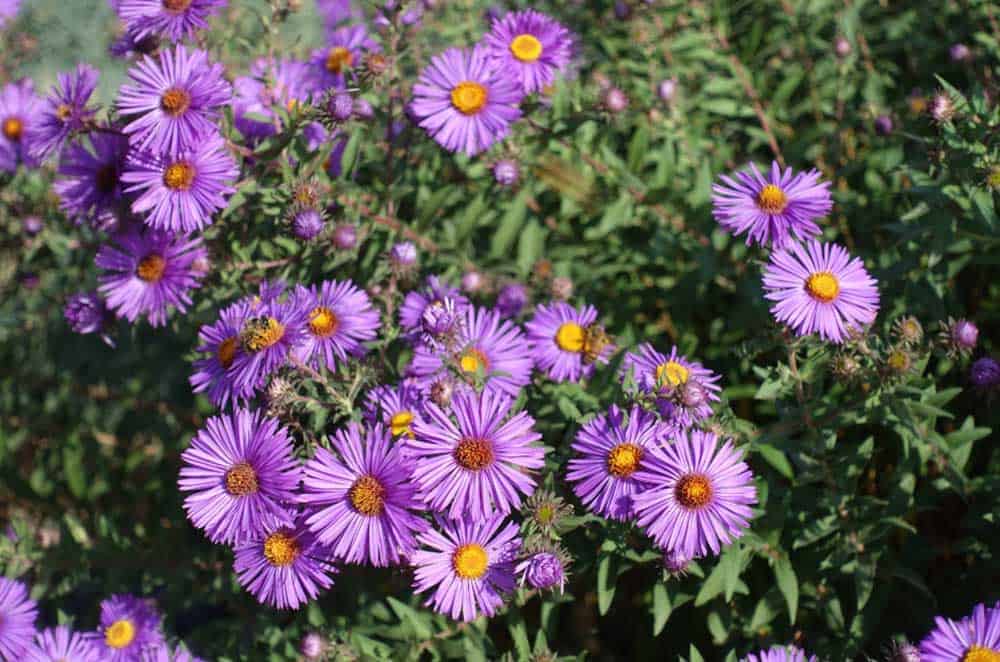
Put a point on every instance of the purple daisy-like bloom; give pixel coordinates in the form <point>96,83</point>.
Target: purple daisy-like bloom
<point>89,187</point>
<point>468,564</point>
<point>359,499</point>
<point>148,271</point>
<point>285,567</point>
<point>820,288</point>
<point>128,627</point>
<point>463,102</point>
<point>18,112</point>
<point>506,172</point>
<point>512,299</point>
<point>344,49</point>
<point>780,654</point>
<point>490,346</point>
<point>339,318</point>
<point>287,83</point>
<point>17,618</point>
<point>480,460</point>
<point>335,12</point>
<point>531,47</point>
<point>395,407</point>
<point>698,494</point>
<point>241,473</point>
<point>975,638</point>
<point>565,342</point>
<point>85,312</point>
<point>610,451</point>
<point>268,336</point>
<point>172,19</point>
<point>61,644</point>
<point>417,302</point>
<point>177,97</point>
<point>770,210</point>
<point>308,223</point>
<point>180,193</point>
<point>542,570</point>
<point>684,390</point>
<point>221,342</point>
<point>959,337</point>
<point>312,645</point>
<point>64,111</point>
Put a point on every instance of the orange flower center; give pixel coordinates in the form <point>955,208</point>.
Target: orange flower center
<point>322,322</point>
<point>772,200</point>
<point>823,286</point>
<point>470,561</point>
<point>175,101</point>
<point>13,127</point>
<point>526,48</point>
<point>151,268</point>
<point>472,360</point>
<point>63,112</point>
<point>179,176</point>
<point>624,459</point>
<point>693,491</point>
<point>338,59</point>
<point>468,97</point>
<point>241,480</point>
<point>176,5</point>
<point>571,337</point>
<point>978,653</point>
<point>474,454</point>
<point>367,495</point>
<point>226,353</point>
<point>280,549</point>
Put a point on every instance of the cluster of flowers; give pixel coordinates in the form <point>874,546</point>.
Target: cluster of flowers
<point>130,630</point>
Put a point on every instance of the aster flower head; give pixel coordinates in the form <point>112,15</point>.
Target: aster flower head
<point>958,337</point>
<point>275,328</point>
<point>312,645</point>
<point>17,618</point>
<point>610,450</point>
<point>220,344</point>
<point>89,185</point>
<point>975,638</point>
<point>566,342</point>
<point>908,330</point>
<point>395,407</point>
<point>64,112</point>
<point>8,10</point>
<point>85,312</point>
<point>468,564</point>
<point>148,271</point>
<point>942,107</point>
<point>345,48</point>
<point>614,100</point>
<point>463,102</point>
<point>511,299</point>
<point>175,99</point>
<point>544,567</point>
<point>699,494</point>
<point>284,567</point>
<point>820,288</point>
<point>780,654</point>
<point>62,644</point>
<point>683,390</point>
<point>340,106</point>
<point>241,473</point>
<point>339,319</point>
<point>667,89</point>
<point>308,223</point>
<point>478,460</point>
<point>547,511</point>
<point>128,627</point>
<point>531,47</point>
<point>172,19</point>
<point>180,193</point>
<point>286,82</point>
<point>902,651</point>
<point>18,112</point>
<point>774,209</point>
<point>506,172</point>
<point>345,236</point>
<point>416,303</point>
<point>403,259</point>
<point>985,374</point>
<point>360,502</point>
<point>675,563</point>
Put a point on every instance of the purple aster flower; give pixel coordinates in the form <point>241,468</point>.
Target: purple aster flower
<point>359,499</point>
<point>18,112</point>
<point>345,236</point>
<point>312,645</point>
<point>339,318</point>
<point>172,19</point>
<point>472,281</point>
<point>959,53</point>
<point>975,638</point>
<point>566,342</point>
<point>8,10</point>
<point>241,472</point>
<point>32,225</point>
<point>609,452</point>
<point>85,312</point>
<point>883,125</point>
<point>506,172</point>
<point>511,299</point>
<point>416,303</point>
<point>985,374</point>
<point>468,564</point>
<point>615,100</point>
<point>395,407</point>
<point>490,347</point>
<point>683,390</point>
<point>780,654</point>
<point>480,460</point>
<point>667,89</point>
<point>267,339</point>
<point>770,210</point>
<point>89,185</point>
<point>284,567</point>
<point>340,105</point>
<point>180,193</point>
<point>177,98</point>
<point>62,644</point>
<point>820,288</point>
<point>17,618</point>
<point>403,257</point>
<point>344,49</point>
<point>676,563</point>
<point>463,102</point>
<point>543,570</point>
<point>286,83</point>
<point>699,494</point>
<point>308,223</point>
<point>959,337</point>
<point>530,47</point>
<point>64,111</point>
<point>128,627</point>
<point>147,271</point>
<point>221,342</point>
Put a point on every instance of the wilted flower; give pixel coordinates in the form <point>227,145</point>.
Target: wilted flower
<point>958,337</point>
<point>562,288</point>
<point>845,367</point>
<point>899,362</point>
<point>942,108</point>
<point>902,651</point>
<point>908,330</point>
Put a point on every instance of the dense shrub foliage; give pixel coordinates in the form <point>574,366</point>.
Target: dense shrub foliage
<point>627,330</point>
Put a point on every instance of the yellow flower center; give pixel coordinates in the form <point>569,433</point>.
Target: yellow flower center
<point>261,332</point>
<point>468,97</point>
<point>823,286</point>
<point>571,337</point>
<point>472,360</point>
<point>176,5</point>
<point>13,127</point>
<point>226,353</point>
<point>772,200</point>
<point>693,491</point>
<point>151,268</point>
<point>322,322</point>
<point>367,495</point>
<point>175,101</point>
<point>400,423</point>
<point>623,460</point>
<point>545,514</point>
<point>63,112</point>
<point>526,47</point>
<point>473,454</point>
<point>120,633</point>
<point>179,176</point>
<point>338,58</point>
<point>978,653</point>
<point>899,361</point>
<point>672,373</point>
<point>470,561</point>
<point>280,549</point>
<point>241,480</point>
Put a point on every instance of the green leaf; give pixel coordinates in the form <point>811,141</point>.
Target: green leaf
<point>661,607</point>
<point>510,226</point>
<point>788,584</point>
<point>606,578</point>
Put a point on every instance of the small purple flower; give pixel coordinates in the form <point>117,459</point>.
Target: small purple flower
<point>173,19</point>
<point>18,113</point>
<point>667,89</point>
<point>676,563</point>
<point>959,337</point>
<point>32,225</point>
<point>472,281</point>
<point>363,109</point>
<point>403,256</point>
<point>63,644</point>
<point>973,639</point>
<point>511,299</point>
<point>942,108</point>
<point>842,47</point>
<point>89,186</point>
<point>85,312</point>
<point>287,83</point>
<point>339,319</point>
<point>985,374</point>
<point>345,236</point>
<point>340,105</point>
<point>64,112</point>
<point>8,10</point>
<point>614,100</point>
<point>506,172</point>
<point>959,53</point>
<point>17,618</point>
<point>312,645</point>
<point>267,339</point>
<point>542,570</point>
<point>344,49</point>
<point>683,390</point>
<point>433,294</point>
<point>530,47</point>
<point>221,342</point>
<point>128,626</point>
<point>308,223</point>
<point>884,125</point>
